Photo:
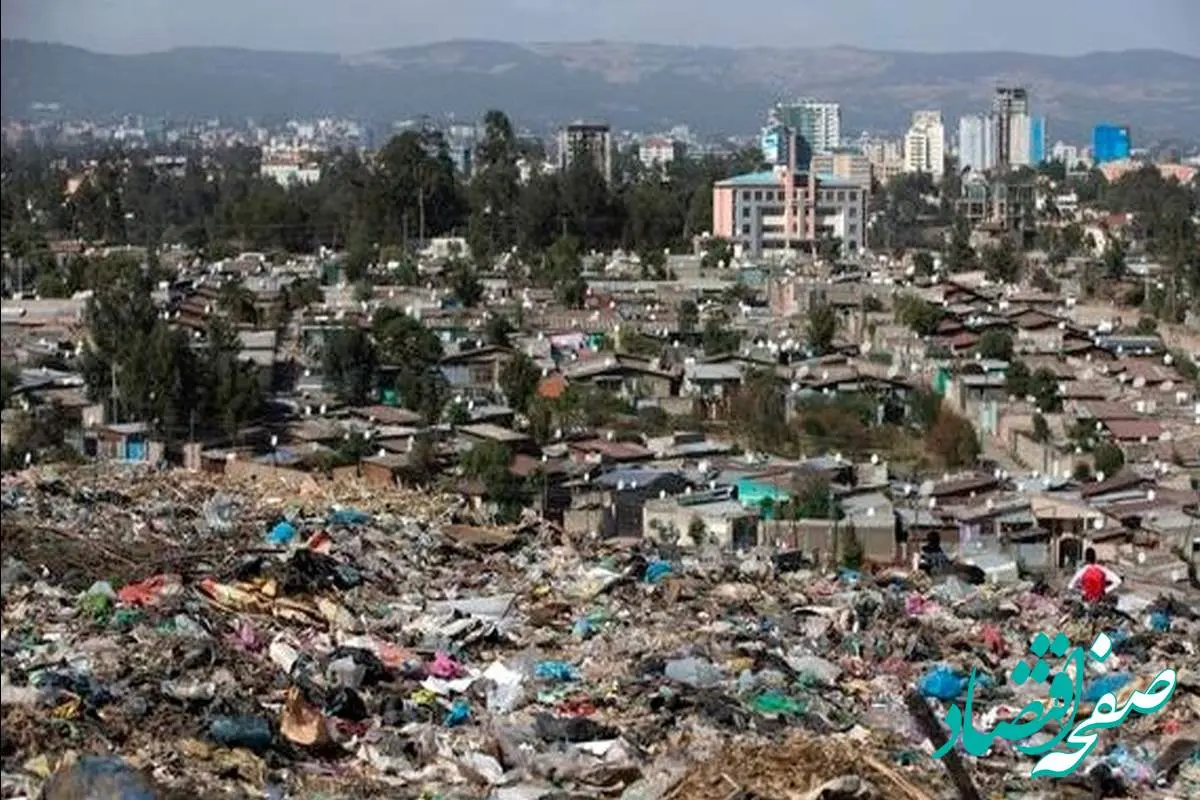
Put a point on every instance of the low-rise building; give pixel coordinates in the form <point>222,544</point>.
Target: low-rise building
<point>776,211</point>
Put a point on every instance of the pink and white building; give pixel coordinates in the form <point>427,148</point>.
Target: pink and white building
<point>781,210</point>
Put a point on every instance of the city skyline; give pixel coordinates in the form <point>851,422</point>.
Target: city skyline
<point>1067,28</point>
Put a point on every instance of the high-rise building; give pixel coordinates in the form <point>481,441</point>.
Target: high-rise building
<point>1066,153</point>
<point>1037,140</point>
<point>1110,143</point>
<point>977,142</point>
<point>818,124</point>
<point>1011,107</point>
<point>925,144</point>
<point>591,140</point>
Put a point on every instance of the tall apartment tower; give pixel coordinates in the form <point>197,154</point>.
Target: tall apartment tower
<point>925,144</point>
<point>1011,108</point>
<point>817,123</point>
<point>977,142</point>
<point>586,139</point>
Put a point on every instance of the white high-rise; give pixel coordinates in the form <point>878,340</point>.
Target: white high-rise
<point>977,142</point>
<point>1020,153</point>
<point>818,122</point>
<point>925,144</point>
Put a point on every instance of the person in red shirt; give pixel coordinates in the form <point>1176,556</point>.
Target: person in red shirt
<point>1094,581</point>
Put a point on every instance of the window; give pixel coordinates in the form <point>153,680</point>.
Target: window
<point>853,212</point>
<point>745,212</point>
<point>745,194</point>
<point>852,229</point>
<point>745,230</point>
<point>853,197</point>
<point>841,197</point>
<point>758,195</point>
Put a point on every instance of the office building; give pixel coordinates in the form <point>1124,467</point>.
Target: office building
<point>775,142</point>
<point>592,141</point>
<point>977,143</point>
<point>1037,141</point>
<point>886,157</point>
<point>460,142</point>
<point>782,210</point>
<point>925,144</point>
<point>818,124</point>
<point>1011,108</point>
<point>843,164</point>
<point>997,203</point>
<point>1110,143</point>
<point>1066,153</point>
<point>658,151</point>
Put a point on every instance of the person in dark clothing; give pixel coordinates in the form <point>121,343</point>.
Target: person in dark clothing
<point>932,560</point>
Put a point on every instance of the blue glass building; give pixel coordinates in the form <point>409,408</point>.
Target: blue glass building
<point>1037,140</point>
<point>1110,143</point>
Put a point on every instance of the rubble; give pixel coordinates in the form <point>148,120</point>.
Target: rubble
<point>164,631</point>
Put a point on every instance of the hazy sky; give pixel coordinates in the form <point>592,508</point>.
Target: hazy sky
<point>1044,26</point>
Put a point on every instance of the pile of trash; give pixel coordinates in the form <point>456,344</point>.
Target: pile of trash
<point>180,634</point>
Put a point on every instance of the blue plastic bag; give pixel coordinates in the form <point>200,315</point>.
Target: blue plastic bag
<point>1112,682</point>
<point>942,683</point>
<point>349,516</point>
<point>282,534</point>
<point>459,713</point>
<point>1160,621</point>
<point>555,671</point>
<point>656,571</point>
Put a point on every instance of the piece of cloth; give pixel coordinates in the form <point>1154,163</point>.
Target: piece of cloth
<point>1094,581</point>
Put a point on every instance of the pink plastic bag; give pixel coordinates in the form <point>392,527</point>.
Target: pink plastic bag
<point>443,666</point>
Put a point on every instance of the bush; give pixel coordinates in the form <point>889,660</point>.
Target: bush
<point>1109,459</point>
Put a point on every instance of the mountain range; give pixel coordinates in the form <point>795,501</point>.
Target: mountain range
<point>644,87</point>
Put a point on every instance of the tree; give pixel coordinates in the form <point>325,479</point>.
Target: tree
<point>923,264</point>
<point>813,498</point>
<point>1114,259</point>
<point>1043,385</point>
<point>351,364</point>
<point>719,337</point>
<point>953,438</point>
<point>412,353</point>
<point>822,327</point>
<point>494,190</point>
<point>232,391</point>
<point>519,379</point>
<point>689,316</point>
<point>921,316</point>
<point>995,344</point>
<point>1017,379</point>
<point>466,286</point>
<point>1002,263</point>
<point>960,256</point>
<point>490,463</point>
<point>851,549</point>
<point>497,330</point>
<point>8,382</point>
<point>1108,459</point>
<point>1146,326</point>
<point>134,362</point>
<point>1041,429</point>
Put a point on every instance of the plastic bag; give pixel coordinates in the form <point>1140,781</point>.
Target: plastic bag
<point>253,733</point>
<point>942,682</point>
<point>1102,685</point>
<point>555,671</point>
<point>657,571</point>
<point>282,534</point>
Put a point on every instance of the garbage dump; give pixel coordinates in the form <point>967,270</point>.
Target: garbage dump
<point>176,634</point>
